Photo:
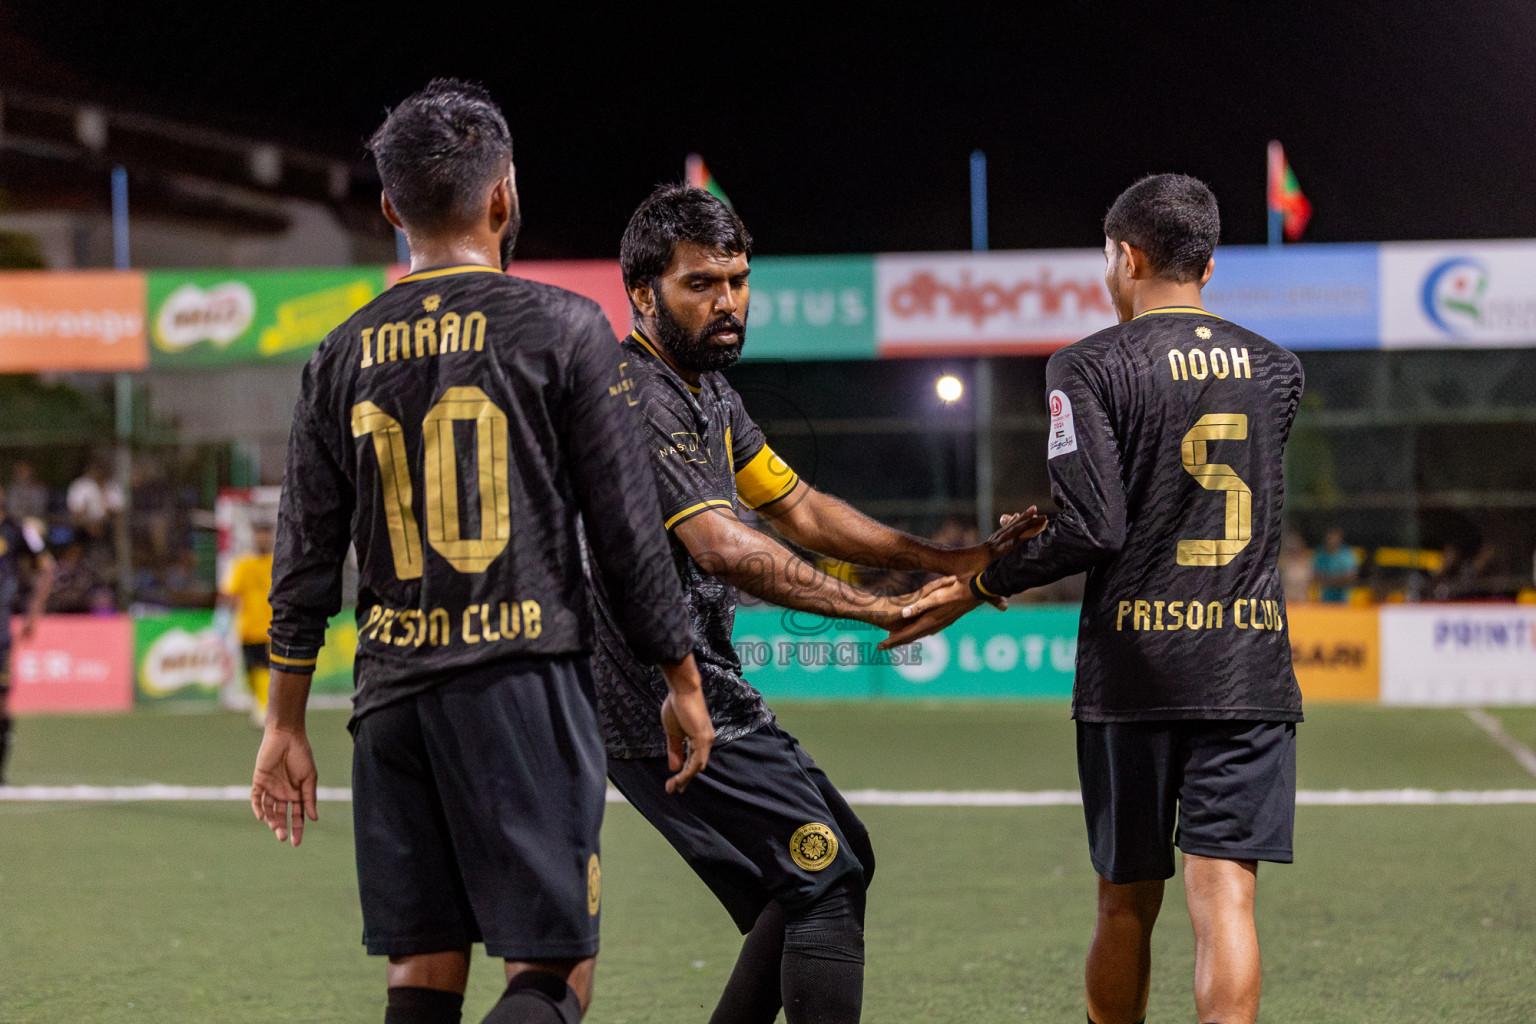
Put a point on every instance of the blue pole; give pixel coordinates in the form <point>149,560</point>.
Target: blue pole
<point>120,217</point>
<point>983,377</point>
<point>123,403</point>
<point>1276,225</point>
<point>978,200</point>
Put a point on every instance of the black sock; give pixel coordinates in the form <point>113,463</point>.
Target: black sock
<point>5,738</point>
<point>822,975</point>
<point>752,995</point>
<point>409,1005</point>
<point>536,997</point>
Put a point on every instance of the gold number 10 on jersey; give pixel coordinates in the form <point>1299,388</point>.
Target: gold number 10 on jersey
<point>1216,477</point>
<point>441,479</point>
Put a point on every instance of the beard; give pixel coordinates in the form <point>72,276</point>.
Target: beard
<point>509,235</point>
<point>696,351</point>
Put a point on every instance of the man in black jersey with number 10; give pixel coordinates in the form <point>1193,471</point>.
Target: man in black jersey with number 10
<point>1165,448</point>
<point>456,429</point>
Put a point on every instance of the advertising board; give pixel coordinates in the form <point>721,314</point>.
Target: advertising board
<point>1458,294</point>
<point>1024,652</point>
<point>1458,654</point>
<point>1302,297</point>
<point>1336,651</point>
<point>82,320</point>
<point>73,663</point>
<point>213,318</point>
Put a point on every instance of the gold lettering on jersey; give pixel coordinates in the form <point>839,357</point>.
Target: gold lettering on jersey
<point>687,444</point>
<point>625,386</point>
<point>448,331</point>
<point>428,337</point>
<point>1216,476</point>
<point>413,627</point>
<point>477,624</point>
<point>1220,363</point>
<point>431,302</point>
<point>1147,615</point>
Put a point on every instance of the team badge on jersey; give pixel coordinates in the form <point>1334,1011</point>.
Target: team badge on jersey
<point>813,846</point>
<point>1063,436</point>
<point>594,886</point>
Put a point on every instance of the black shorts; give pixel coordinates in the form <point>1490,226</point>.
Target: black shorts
<point>760,823</point>
<point>256,656</point>
<point>477,806</point>
<point>1223,789</point>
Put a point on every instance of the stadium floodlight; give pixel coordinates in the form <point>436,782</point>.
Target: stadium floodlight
<point>949,388</point>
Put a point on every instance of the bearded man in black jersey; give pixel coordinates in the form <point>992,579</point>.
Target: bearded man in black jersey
<point>764,827</point>
<point>1165,454</point>
<point>455,430</point>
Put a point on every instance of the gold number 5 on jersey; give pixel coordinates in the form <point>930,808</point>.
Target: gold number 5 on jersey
<point>1217,477</point>
<point>466,554</point>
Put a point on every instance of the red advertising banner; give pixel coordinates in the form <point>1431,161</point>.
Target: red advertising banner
<point>598,280</point>
<point>73,663</point>
<point>84,320</point>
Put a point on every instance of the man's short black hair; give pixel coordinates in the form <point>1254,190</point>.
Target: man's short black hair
<point>439,151</point>
<point>1173,219</point>
<point>673,214</point>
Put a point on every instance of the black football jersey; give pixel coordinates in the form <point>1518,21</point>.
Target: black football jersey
<point>1166,442</point>
<point>706,453</point>
<point>454,429</point>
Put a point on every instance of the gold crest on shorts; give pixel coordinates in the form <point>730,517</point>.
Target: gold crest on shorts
<point>594,885</point>
<point>813,846</point>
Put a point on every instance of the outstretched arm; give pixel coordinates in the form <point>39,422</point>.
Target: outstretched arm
<point>824,524</point>
<point>726,547</point>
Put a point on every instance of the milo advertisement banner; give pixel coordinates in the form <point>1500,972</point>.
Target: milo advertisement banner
<point>212,318</point>
<point>179,656</point>
<point>187,656</point>
<point>1028,652</point>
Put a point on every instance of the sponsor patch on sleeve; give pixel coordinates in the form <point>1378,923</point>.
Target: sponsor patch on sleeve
<point>1063,435</point>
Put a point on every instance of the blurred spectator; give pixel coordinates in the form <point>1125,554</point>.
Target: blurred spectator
<point>247,592</point>
<point>1295,568</point>
<point>1335,567</point>
<point>78,587</point>
<point>93,500</point>
<point>1463,576</point>
<point>27,496</point>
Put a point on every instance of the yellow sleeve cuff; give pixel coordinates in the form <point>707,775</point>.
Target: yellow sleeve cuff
<point>764,479</point>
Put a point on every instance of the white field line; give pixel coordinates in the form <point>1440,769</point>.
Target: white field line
<point>864,797</point>
<point>1490,725</point>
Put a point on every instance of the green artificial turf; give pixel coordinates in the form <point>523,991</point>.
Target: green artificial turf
<point>190,912</point>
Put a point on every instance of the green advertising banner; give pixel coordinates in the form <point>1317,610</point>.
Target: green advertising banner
<point>1029,651</point>
<point>212,318</point>
<point>179,656</point>
<point>812,307</point>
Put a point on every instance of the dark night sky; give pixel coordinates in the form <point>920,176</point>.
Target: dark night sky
<point>840,133</point>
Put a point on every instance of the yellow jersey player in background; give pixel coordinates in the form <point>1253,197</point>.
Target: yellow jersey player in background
<point>245,594</point>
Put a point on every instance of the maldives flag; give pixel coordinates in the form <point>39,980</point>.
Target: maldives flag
<point>699,177</point>
<point>1285,196</point>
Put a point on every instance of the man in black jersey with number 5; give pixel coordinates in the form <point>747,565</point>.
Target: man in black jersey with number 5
<point>454,429</point>
<point>1166,441</point>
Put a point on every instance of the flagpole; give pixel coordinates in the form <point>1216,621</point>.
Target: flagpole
<point>1271,183</point>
